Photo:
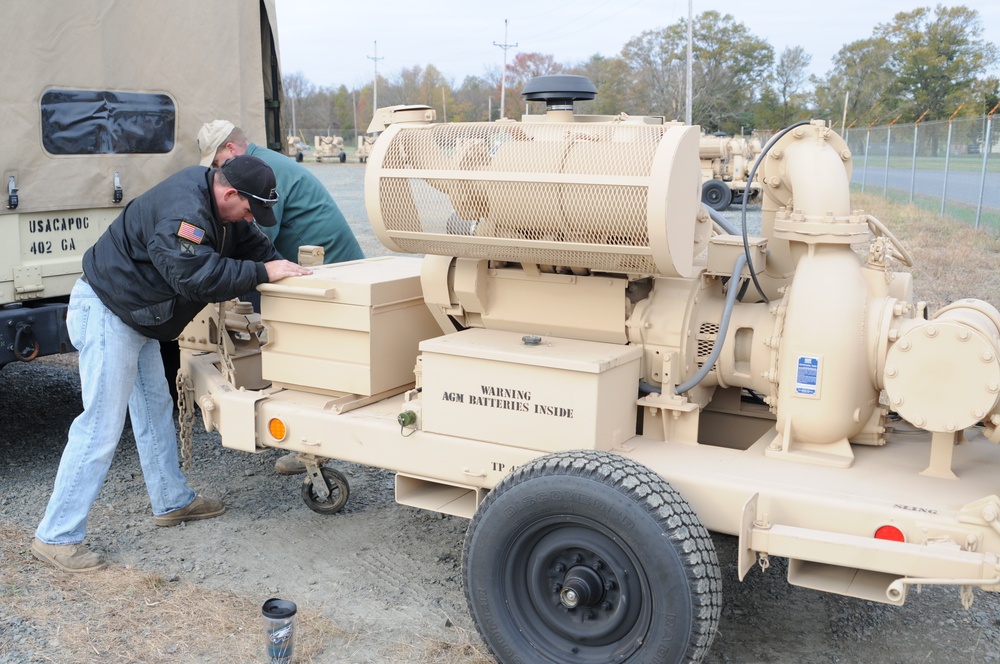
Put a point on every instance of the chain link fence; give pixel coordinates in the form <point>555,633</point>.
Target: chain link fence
<point>951,167</point>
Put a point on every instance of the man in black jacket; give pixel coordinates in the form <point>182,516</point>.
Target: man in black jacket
<point>188,241</point>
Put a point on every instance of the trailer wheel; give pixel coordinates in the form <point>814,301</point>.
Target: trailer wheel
<point>336,484</point>
<point>590,557</point>
<point>716,195</point>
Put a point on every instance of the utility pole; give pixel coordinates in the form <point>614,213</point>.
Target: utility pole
<point>843,122</point>
<point>375,83</point>
<point>354,107</point>
<point>503,73</point>
<point>687,79</point>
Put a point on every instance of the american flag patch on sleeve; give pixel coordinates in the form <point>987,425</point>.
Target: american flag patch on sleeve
<point>191,233</point>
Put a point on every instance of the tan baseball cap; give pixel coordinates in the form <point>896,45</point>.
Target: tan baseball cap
<point>211,136</point>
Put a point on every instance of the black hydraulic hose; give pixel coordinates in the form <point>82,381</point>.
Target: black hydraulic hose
<point>743,206</point>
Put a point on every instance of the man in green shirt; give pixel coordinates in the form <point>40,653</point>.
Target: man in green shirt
<point>306,213</point>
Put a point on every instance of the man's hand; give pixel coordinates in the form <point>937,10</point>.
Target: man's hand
<point>280,269</point>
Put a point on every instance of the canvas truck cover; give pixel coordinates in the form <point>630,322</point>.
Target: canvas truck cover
<point>103,99</point>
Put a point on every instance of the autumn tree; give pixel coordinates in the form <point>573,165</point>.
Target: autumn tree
<point>656,62</point>
<point>788,82</point>
<point>523,68</point>
<point>729,64</point>
<point>923,60</point>
<point>862,74</point>
<point>472,100</point>
<point>937,57</point>
<point>611,77</point>
<point>296,87</point>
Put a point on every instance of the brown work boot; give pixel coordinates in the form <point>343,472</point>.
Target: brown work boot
<point>200,508</point>
<point>289,464</point>
<point>68,557</point>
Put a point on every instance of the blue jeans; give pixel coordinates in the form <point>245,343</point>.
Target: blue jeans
<point>119,369</point>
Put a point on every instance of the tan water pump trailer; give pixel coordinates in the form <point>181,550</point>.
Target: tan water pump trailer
<point>598,370</point>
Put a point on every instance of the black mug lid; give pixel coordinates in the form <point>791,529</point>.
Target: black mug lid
<point>277,609</point>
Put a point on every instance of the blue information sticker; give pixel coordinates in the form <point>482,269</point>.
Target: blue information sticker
<point>807,375</point>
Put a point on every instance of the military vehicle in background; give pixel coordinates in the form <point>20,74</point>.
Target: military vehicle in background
<point>365,143</point>
<point>598,370</point>
<point>100,104</point>
<point>330,148</point>
<point>725,165</point>
<point>295,147</point>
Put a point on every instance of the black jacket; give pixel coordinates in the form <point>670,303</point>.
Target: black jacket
<point>167,255</point>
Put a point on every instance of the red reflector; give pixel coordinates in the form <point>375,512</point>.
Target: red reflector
<point>891,533</point>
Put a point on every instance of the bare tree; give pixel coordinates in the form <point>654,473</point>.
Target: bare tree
<point>789,77</point>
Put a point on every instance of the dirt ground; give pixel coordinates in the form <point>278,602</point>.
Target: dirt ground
<point>376,583</point>
<point>385,578</point>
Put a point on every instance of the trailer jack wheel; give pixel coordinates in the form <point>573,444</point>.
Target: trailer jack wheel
<point>590,557</point>
<point>325,491</point>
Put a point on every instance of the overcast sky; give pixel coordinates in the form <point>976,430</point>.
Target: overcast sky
<point>334,43</point>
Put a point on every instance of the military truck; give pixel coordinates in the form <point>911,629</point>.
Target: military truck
<point>103,99</point>
<point>330,148</point>
<point>598,370</point>
<point>726,163</point>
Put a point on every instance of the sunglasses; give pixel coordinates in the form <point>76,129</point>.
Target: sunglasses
<point>264,202</point>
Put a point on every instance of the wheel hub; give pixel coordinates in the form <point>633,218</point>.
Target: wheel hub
<point>576,592</point>
<point>582,587</point>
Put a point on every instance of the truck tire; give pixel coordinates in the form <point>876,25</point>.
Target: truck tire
<point>716,195</point>
<point>590,557</point>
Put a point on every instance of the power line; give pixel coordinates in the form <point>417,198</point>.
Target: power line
<point>375,83</point>
<point>503,72</point>
<point>561,33</point>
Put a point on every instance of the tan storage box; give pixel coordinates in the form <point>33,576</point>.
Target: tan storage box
<point>560,394</point>
<point>347,328</point>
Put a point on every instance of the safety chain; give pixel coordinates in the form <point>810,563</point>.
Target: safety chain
<point>185,417</point>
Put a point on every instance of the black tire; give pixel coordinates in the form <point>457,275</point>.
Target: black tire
<point>299,157</point>
<point>336,483</point>
<point>716,195</point>
<point>343,157</point>
<point>589,557</point>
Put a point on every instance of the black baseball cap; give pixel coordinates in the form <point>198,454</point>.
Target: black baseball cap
<point>254,179</point>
